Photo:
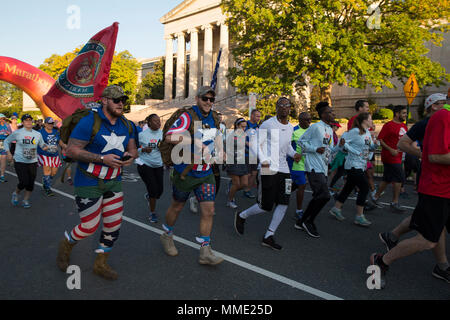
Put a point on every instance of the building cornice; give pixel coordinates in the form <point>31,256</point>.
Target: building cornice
<point>171,15</point>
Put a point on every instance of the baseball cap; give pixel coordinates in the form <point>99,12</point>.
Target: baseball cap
<point>26,116</point>
<point>2,115</point>
<point>113,92</point>
<point>204,90</point>
<point>49,120</point>
<point>434,98</point>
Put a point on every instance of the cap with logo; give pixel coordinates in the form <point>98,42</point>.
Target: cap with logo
<point>204,90</point>
<point>49,120</point>
<point>435,97</point>
<point>113,92</point>
<point>26,117</point>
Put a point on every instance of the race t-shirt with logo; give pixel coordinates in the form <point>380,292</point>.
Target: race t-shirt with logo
<point>110,139</point>
<point>435,178</point>
<point>52,141</point>
<point>358,147</point>
<point>391,133</point>
<point>5,131</point>
<point>152,139</point>
<point>27,142</point>
<point>207,134</point>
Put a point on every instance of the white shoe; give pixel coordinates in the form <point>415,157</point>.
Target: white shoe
<point>193,204</point>
<point>232,204</point>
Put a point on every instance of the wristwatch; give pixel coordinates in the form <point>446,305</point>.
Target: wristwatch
<point>102,158</point>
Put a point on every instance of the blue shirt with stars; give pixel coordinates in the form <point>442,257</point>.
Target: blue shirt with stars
<point>110,139</point>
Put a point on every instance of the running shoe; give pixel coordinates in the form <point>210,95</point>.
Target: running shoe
<point>232,204</point>
<point>49,192</point>
<point>298,215</point>
<point>249,195</point>
<point>70,182</point>
<point>298,225</point>
<point>395,207</point>
<point>310,229</point>
<point>376,260</point>
<point>3,179</point>
<point>270,243</point>
<point>362,221</point>
<point>153,218</point>
<point>15,199</point>
<point>385,237</point>
<point>335,212</point>
<point>239,223</point>
<point>26,204</point>
<point>441,274</point>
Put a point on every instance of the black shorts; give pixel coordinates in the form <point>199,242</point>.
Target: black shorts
<point>272,190</point>
<point>153,179</point>
<point>252,168</point>
<point>431,216</point>
<point>26,173</point>
<point>393,172</point>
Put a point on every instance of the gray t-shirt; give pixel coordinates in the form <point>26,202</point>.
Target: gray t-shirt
<point>27,142</point>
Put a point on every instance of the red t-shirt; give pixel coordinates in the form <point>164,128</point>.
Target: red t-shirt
<point>391,134</point>
<point>350,122</point>
<point>435,178</point>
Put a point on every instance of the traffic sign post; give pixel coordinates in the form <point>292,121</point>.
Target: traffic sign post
<point>411,89</point>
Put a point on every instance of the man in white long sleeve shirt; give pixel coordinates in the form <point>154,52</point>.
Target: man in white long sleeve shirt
<point>274,187</point>
<point>317,144</point>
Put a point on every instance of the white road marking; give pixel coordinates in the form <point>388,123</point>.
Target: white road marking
<point>243,264</point>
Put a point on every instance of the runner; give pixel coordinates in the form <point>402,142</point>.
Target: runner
<point>316,144</point>
<point>150,166</point>
<point>200,179</point>
<point>252,129</point>
<point>49,160</point>
<point>274,180</point>
<point>391,157</point>
<point>433,103</point>
<point>358,144</point>
<point>98,186</point>
<point>298,168</point>
<point>5,131</point>
<point>431,215</point>
<point>25,158</point>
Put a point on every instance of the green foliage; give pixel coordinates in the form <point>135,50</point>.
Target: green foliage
<point>384,113</point>
<point>10,96</point>
<point>56,64</point>
<point>152,86</point>
<point>329,42</point>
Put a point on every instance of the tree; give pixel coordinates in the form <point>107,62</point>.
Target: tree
<point>152,86</point>
<point>123,72</point>
<point>10,97</point>
<point>279,43</point>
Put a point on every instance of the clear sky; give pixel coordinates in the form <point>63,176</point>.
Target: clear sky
<point>33,30</point>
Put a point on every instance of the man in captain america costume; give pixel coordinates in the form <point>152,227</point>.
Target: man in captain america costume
<point>98,187</point>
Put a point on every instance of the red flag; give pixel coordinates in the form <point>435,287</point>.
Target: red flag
<point>87,75</point>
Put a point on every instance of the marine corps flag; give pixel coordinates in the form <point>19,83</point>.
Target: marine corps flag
<point>87,75</point>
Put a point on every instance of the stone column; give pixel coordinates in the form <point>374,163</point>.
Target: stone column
<point>193,64</point>
<point>222,80</point>
<point>168,77</point>
<point>181,66</point>
<point>207,55</point>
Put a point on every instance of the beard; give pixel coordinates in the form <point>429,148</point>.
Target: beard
<point>114,110</point>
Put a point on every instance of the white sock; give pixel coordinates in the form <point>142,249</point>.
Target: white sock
<point>253,210</point>
<point>277,217</point>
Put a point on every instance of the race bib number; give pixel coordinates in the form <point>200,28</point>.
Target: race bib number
<point>29,153</point>
<point>1,144</point>
<point>288,186</point>
<point>327,155</point>
<point>52,149</point>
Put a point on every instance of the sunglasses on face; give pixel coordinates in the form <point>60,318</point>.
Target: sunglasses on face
<point>211,99</point>
<point>118,100</point>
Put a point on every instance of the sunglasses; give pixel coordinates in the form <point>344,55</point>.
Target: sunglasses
<point>118,100</point>
<point>212,99</point>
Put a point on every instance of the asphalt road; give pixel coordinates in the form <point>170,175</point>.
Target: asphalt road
<point>332,267</point>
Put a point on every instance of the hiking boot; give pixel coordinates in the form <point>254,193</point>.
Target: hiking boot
<point>168,245</point>
<point>362,221</point>
<point>377,260</point>
<point>239,223</point>
<point>441,274</point>
<point>270,242</point>
<point>337,213</point>
<point>385,237</point>
<point>64,250</point>
<point>395,207</point>
<point>102,269</point>
<point>208,257</point>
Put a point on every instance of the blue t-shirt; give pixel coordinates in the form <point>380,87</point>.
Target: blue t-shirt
<point>110,139</point>
<point>208,134</point>
<point>52,141</point>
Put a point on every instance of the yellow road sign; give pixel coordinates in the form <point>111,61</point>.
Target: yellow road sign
<point>411,89</point>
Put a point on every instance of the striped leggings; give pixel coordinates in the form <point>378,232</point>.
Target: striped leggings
<point>110,207</point>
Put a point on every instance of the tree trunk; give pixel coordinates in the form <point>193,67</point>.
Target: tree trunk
<point>325,94</point>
